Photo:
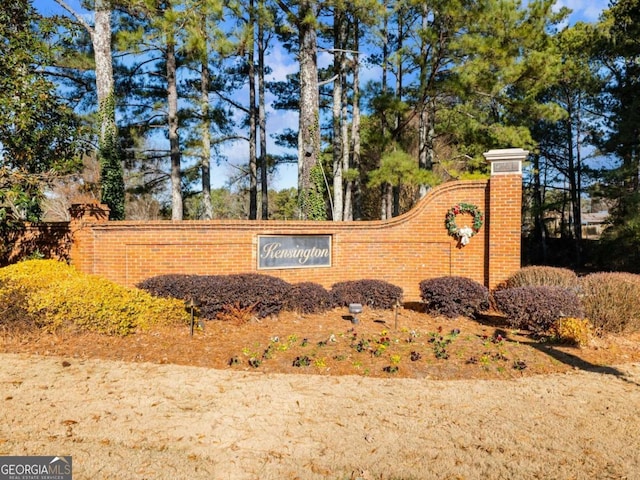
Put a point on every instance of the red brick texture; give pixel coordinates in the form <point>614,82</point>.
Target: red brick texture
<point>403,251</point>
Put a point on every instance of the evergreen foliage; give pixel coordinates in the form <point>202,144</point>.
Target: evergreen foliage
<point>109,154</point>
<point>214,294</point>
<point>537,308</point>
<point>56,296</point>
<point>371,293</point>
<point>41,138</point>
<point>454,296</point>
<point>309,297</point>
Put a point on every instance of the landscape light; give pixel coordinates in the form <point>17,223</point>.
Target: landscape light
<point>355,309</point>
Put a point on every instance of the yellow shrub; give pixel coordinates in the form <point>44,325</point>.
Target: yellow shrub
<point>60,296</point>
<point>577,331</point>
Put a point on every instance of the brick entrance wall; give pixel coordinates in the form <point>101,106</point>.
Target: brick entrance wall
<point>403,251</point>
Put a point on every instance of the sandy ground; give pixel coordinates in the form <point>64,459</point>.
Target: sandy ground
<point>149,421</point>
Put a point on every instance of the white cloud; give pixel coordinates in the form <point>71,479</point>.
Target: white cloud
<point>281,64</point>
<point>582,10</point>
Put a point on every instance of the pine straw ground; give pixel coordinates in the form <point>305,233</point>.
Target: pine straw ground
<point>402,344</point>
<point>317,397</point>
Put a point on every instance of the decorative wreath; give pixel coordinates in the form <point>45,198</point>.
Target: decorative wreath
<point>465,233</point>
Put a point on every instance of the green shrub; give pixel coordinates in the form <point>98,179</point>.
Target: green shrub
<point>309,297</point>
<point>539,276</point>
<point>537,308</point>
<point>454,296</point>
<point>216,294</point>
<point>56,296</point>
<point>373,293</point>
<point>612,301</point>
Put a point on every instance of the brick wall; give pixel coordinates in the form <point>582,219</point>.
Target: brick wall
<point>51,240</point>
<point>403,251</point>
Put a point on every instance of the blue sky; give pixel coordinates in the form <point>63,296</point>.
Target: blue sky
<point>584,10</point>
<point>282,65</point>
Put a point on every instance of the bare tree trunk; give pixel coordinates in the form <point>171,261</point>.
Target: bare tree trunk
<point>399,69</point>
<point>101,39</point>
<point>338,119</point>
<point>383,201</point>
<point>262,121</point>
<point>174,139</point>
<point>426,139</point>
<point>574,193</point>
<point>205,160</point>
<point>344,135</point>
<point>385,69</point>
<point>253,163</point>
<point>352,207</point>
<point>427,109</point>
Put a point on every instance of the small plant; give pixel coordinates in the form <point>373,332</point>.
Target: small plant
<point>268,352</point>
<point>320,363</point>
<point>485,360</point>
<point>361,345</point>
<point>302,361</point>
<point>499,356</point>
<point>415,356</point>
<point>439,345</point>
<point>255,362</point>
<point>255,359</point>
<point>234,361</point>
<point>519,365</point>
<point>576,331</point>
<point>391,369</point>
<point>379,350</point>
<point>236,314</point>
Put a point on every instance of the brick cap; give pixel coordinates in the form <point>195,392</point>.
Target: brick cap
<point>506,161</point>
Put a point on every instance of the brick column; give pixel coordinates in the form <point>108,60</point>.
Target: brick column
<point>82,215</point>
<point>505,212</point>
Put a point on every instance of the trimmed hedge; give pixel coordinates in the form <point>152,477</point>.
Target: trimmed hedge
<point>536,308</point>
<point>454,296</point>
<point>309,297</point>
<point>373,293</point>
<point>214,294</point>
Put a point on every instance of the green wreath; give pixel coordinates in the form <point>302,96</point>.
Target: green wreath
<point>450,219</point>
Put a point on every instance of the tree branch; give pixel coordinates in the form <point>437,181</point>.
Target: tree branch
<point>76,15</point>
